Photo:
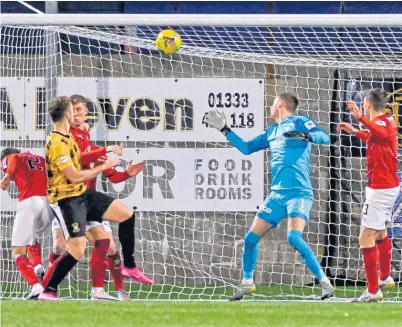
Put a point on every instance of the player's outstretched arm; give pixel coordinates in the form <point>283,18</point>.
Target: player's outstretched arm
<point>78,176</point>
<point>132,170</point>
<point>217,120</point>
<point>378,128</point>
<point>348,128</point>
<point>307,130</point>
<point>99,152</point>
<point>319,136</point>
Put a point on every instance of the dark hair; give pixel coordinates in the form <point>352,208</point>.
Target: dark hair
<point>76,98</point>
<point>57,108</point>
<point>5,152</point>
<point>377,98</point>
<point>291,101</point>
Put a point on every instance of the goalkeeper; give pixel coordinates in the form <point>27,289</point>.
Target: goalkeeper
<point>291,194</point>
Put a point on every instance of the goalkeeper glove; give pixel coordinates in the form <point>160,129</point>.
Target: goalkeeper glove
<point>298,136</point>
<point>217,120</point>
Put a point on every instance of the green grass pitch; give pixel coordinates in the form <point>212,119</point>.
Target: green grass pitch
<point>199,314</point>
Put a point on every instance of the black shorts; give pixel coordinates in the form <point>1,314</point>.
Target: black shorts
<point>97,204</point>
<point>76,211</point>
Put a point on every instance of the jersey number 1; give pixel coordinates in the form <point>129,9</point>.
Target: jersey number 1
<point>33,163</point>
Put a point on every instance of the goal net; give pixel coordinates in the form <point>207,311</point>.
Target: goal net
<point>197,196</point>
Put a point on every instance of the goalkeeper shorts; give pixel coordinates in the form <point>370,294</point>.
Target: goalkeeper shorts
<point>285,204</point>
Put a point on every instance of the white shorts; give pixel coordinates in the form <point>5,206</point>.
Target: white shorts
<point>33,217</point>
<point>106,225</point>
<point>377,209</point>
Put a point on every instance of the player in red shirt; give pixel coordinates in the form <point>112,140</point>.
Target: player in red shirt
<point>381,191</point>
<point>33,215</point>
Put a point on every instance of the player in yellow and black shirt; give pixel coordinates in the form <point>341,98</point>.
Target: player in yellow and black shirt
<point>71,202</point>
<point>62,152</point>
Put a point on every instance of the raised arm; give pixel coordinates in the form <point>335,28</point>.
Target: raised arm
<point>217,120</point>
<point>377,128</point>
<point>258,143</point>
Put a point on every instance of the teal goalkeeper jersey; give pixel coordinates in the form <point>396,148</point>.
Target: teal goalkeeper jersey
<point>289,158</point>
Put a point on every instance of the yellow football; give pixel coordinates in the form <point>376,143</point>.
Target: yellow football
<point>168,42</point>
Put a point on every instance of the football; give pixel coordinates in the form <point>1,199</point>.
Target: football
<point>168,42</point>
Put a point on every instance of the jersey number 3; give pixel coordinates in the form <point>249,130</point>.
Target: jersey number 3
<point>34,163</point>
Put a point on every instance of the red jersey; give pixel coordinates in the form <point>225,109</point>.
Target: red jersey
<point>90,153</point>
<point>28,172</point>
<point>382,151</point>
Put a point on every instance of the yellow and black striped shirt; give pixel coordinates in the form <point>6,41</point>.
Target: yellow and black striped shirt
<point>62,152</point>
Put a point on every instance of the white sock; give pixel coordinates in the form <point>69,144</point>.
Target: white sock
<point>324,279</point>
<point>247,282</point>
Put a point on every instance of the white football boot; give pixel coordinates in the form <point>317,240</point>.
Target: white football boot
<point>35,291</point>
<point>245,288</point>
<point>327,290</point>
<point>123,296</point>
<point>370,297</point>
<point>387,283</point>
<point>39,272</point>
<point>99,294</point>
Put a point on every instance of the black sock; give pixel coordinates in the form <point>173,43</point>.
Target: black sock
<point>127,241</point>
<point>63,267</point>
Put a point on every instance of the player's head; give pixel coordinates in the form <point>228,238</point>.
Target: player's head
<point>61,110</point>
<point>284,104</point>
<point>7,151</point>
<point>80,108</point>
<point>375,101</point>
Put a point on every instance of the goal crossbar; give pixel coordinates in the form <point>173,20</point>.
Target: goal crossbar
<point>202,20</point>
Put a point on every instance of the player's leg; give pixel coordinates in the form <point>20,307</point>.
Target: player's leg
<point>23,235</point>
<point>114,210</point>
<point>367,240</point>
<point>376,213</point>
<point>35,256</point>
<point>269,216</point>
<point>384,250</point>
<point>115,265</point>
<point>44,217</point>
<point>298,206</point>
<point>101,242</point>
<point>59,242</point>
<point>70,212</point>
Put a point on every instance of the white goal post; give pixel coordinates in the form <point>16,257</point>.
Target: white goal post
<point>197,196</point>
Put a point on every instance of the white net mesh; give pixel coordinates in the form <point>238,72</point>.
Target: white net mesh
<point>197,195</point>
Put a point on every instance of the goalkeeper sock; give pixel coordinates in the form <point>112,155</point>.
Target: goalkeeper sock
<point>127,241</point>
<point>370,267</point>
<point>250,254</point>
<point>26,270</point>
<point>58,272</point>
<point>34,253</point>
<point>295,239</point>
<point>114,265</point>
<point>384,248</point>
<point>98,264</point>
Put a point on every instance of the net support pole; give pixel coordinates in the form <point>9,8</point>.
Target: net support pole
<point>50,70</point>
